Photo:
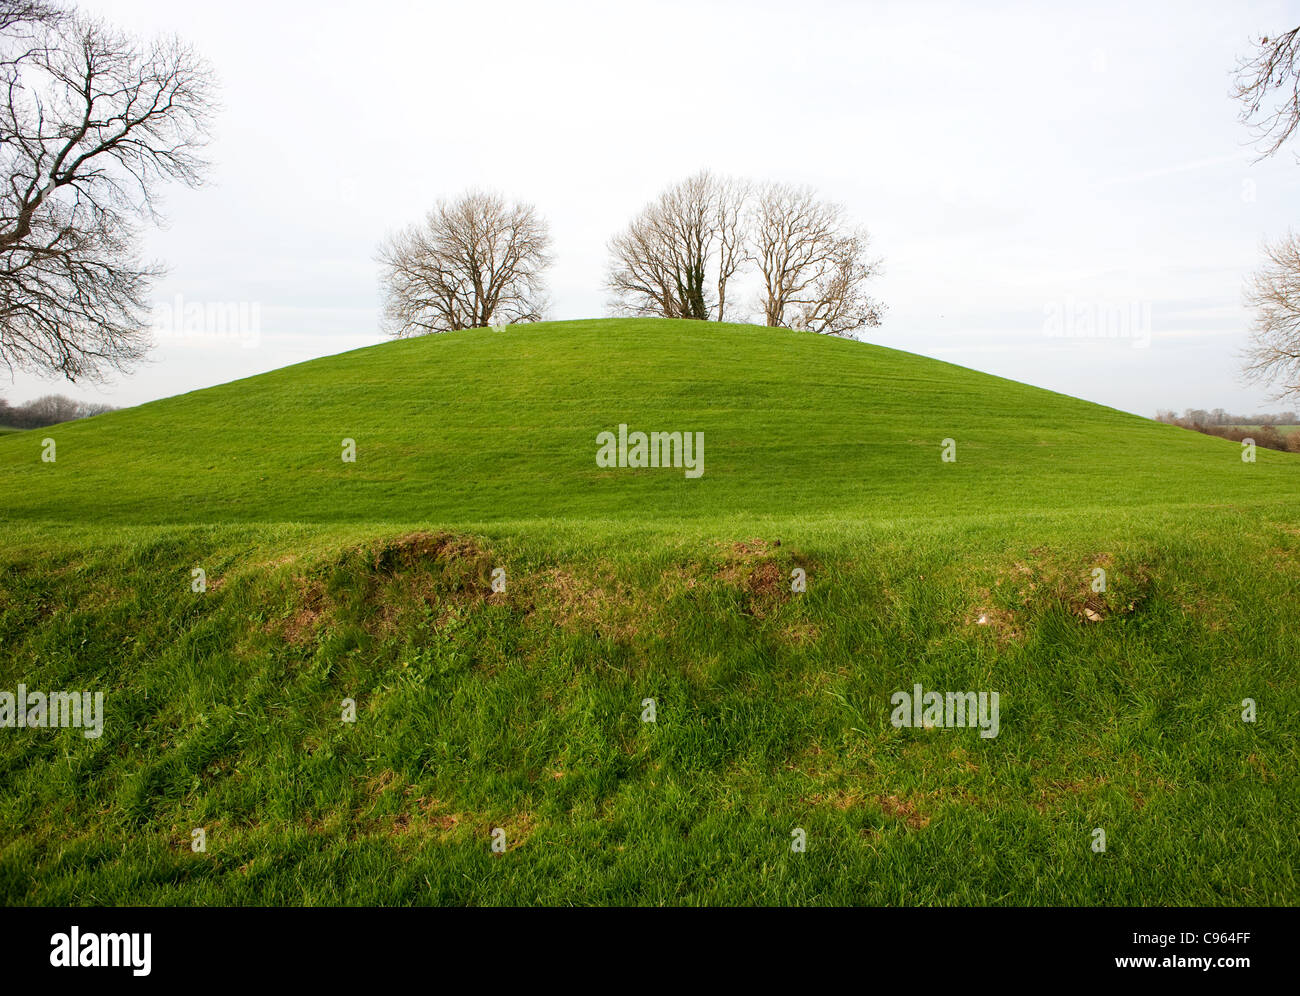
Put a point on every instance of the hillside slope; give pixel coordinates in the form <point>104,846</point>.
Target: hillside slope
<point>522,708</point>
<point>483,425</point>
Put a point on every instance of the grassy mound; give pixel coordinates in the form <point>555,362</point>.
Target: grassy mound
<point>524,709</point>
<point>486,426</point>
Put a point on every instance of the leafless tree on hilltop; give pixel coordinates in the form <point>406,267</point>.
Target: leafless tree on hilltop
<point>473,262</point>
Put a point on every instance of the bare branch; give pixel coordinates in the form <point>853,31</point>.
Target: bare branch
<point>1273,71</point>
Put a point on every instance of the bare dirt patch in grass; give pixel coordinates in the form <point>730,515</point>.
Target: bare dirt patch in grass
<point>458,559</point>
<point>905,811</point>
<point>1052,791</point>
<point>579,603</point>
<point>309,608</point>
<point>763,576</point>
<point>392,584</point>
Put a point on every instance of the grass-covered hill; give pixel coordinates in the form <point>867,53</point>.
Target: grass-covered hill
<point>485,426</point>
<point>523,709</point>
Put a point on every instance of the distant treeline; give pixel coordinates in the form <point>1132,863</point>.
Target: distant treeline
<point>1261,428</point>
<point>48,410</point>
<point>1199,416</point>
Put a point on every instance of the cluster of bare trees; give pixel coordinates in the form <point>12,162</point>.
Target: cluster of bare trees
<point>680,255</point>
<point>92,124</point>
<point>1221,416</point>
<point>1268,87</point>
<point>1262,430</point>
<point>50,409</point>
<point>479,260</point>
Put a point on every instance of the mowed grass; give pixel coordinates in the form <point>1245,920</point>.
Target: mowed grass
<point>497,426</point>
<point>522,710</point>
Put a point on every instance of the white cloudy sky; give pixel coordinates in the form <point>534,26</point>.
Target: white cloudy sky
<point>1008,161</point>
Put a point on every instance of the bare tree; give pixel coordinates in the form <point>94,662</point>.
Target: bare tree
<point>473,262</point>
<point>730,200</point>
<point>91,124</point>
<point>661,264</point>
<point>814,268</point>
<point>1274,294</point>
<point>1268,87</point>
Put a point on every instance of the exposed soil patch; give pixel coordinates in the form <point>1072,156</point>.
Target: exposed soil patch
<point>753,567</point>
<point>387,586</point>
<point>456,557</point>
<point>752,548</point>
<point>904,810</point>
<point>310,606</point>
<point>1052,791</point>
<point>580,603</point>
<point>1002,623</point>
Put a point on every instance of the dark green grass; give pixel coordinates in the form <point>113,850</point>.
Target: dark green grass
<point>522,710</point>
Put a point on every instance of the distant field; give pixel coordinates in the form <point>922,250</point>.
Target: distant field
<point>523,709</point>
<point>1280,428</point>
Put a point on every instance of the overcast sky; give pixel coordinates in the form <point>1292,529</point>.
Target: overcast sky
<point>1021,169</point>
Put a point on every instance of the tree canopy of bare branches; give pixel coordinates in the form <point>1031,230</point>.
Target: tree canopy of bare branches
<point>814,268</point>
<point>1268,87</point>
<point>92,123</point>
<point>678,255</point>
<point>20,19</point>
<point>474,262</point>
<point>1274,294</point>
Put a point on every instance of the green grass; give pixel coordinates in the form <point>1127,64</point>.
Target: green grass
<point>1284,429</point>
<point>497,426</point>
<point>522,709</point>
